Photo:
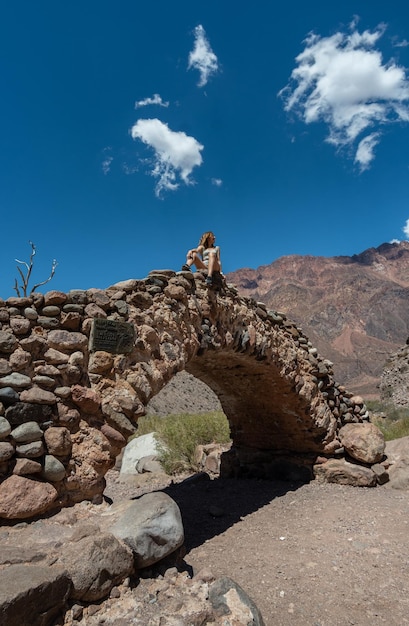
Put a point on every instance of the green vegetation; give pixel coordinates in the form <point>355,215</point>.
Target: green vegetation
<point>395,424</point>
<point>178,436</point>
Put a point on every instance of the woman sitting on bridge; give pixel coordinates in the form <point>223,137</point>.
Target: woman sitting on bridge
<point>205,257</point>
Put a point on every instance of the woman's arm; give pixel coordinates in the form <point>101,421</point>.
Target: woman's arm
<point>198,250</point>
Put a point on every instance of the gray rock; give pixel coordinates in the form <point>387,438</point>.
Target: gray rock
<point>5,428</point>
<point>32,594</point>
<point>95,564</point>
<point>6,451</point>
<point>22,412</point>
<point>8,342</point>
<point>49,323</point>
<point>151,526</point>
<point>380,472</point>
<point>44,381</point>
<point>54,470</point>
<point>229,599</point>
<point>51,311</point>
<point>30,313</point>
<point>26,433</point>
<point>135,450</point>
<point>15,381</point>
<point>149,464</point>
<point>118,420</point>
<point>30,450</point>
<point>8,396</point>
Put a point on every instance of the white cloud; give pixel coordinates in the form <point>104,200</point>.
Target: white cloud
<point>217,182</point>
<point>202,57</point>
<point>176,154</point>
<point>365,152</point>
<point>106,164</point>
<point>406,229</point>
<point>155,99</point>
<point>342,81</point>
<point>107,160</point>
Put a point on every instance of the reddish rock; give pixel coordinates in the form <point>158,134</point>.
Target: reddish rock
<point>24,467</point>
<point>70,321</point>
<point>176,292</point>
<point>86,399</point>
<point>113,435</point>
<point>21,498</point>
<point>93,310</point>
<point>54,297</point>
<point>58,440</point>
<point>66,341</point>
<point>20,359</point>
<point>364,442</point>
<point>343,473</point>
<point>101,362</point>
<point>35,395</point>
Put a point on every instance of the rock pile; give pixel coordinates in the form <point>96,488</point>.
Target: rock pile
<point>77,369</point>
<point>128,555</point>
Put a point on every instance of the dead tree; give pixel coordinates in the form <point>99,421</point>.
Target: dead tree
<point>25,278</point>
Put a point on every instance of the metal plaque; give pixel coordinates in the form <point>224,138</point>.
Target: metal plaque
<point>112,336</point>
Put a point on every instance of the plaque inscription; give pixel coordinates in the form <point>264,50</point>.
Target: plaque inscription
<point>112,336</point>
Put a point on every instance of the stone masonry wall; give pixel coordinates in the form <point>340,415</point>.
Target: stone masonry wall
<point>67,407</point>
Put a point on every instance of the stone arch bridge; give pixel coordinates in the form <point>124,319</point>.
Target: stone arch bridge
<point>77,369</point>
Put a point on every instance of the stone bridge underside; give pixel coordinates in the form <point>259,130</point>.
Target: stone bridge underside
<point>77,369</point>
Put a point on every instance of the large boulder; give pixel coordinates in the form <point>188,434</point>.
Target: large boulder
<point>32,594</point>
<point>96,563</point>
<point>151,526</point>
<point>363,442</point>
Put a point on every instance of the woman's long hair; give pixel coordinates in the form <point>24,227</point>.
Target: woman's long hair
<point>204,239</point>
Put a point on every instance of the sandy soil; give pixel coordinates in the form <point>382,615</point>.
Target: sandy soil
<point>311,555</point>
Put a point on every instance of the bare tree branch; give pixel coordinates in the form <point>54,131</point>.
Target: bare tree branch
<point>53,268</point>
<point>26,278</point>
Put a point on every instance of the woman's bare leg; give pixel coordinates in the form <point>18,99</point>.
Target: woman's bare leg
<point>214,265</point>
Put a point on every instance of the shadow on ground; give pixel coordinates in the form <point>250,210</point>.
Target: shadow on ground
<point>210,507</point>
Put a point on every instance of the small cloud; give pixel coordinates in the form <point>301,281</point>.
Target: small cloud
<point>129,169</point>
<point>342,81</point>
<point>217,182</point>
<point>394,241</point>
<point>176,154</point>
<point>406,229</point>
<point>106,164</point>
<point>155,99</point>
<point>404,43</point>
<point>365,152</point>
<point>202,57</point>
<point>107,160</point>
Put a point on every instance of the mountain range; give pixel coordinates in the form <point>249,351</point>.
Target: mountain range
<point>354,309</point>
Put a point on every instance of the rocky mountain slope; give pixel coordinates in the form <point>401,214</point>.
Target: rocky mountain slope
<point>394,385</point>
<point>354,309</point>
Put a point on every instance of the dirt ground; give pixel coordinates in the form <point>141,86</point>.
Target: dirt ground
<point>311,555</point>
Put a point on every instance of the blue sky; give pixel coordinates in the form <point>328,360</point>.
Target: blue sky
<point>130,128</point>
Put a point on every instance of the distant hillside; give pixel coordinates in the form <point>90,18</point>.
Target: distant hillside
<point>354,309</point>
